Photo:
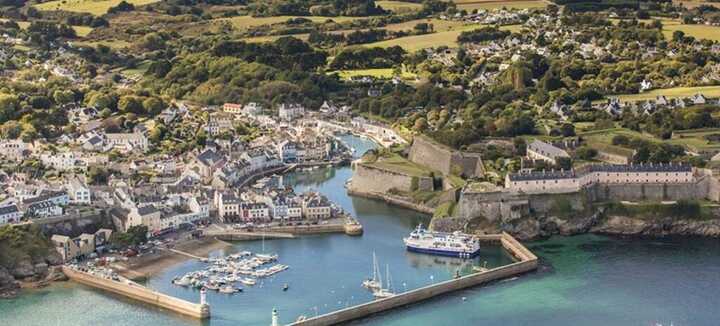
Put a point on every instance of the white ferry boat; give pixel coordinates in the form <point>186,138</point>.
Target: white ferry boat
<point>454,244</point>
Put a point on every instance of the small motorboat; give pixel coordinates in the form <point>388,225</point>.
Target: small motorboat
<point>286,287</point>
<point>229,289</point>
<point>248,281</point>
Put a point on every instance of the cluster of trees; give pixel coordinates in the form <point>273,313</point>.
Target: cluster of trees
<point>363,58</point>
<point>285,53</point>
<point>484,34</point>
<point>121,7</point>
<point>134,236</point>
<point>43,33</point>
<point>84,19</point>
<point>649,152</point>
<point>357,8</point>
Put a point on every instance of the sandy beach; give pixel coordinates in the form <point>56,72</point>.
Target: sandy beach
<point>149,264</point>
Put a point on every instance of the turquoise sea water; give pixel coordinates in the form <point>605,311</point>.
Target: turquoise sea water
<point>583,280</point>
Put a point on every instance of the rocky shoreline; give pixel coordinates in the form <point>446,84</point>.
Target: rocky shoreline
<point>26,273</point>
<point>542,227</point>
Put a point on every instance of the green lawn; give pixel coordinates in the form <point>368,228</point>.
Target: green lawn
<point>95,7</point>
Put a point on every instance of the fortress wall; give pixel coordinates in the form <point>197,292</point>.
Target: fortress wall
<point>425,152</point>
<point>372,179</point>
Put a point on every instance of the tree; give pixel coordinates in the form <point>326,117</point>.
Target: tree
<point>567,130</point>
<point>153,105</point>
<point>620,140</point>
<point>63,96</point>
<point>98,175</point>
<point>564,163</point>
<point>134,236</point>
<point>678,36</point>
<point>11,130</point>
<point>130,104</point>
<point>585,153</point>
<point>9,104</point>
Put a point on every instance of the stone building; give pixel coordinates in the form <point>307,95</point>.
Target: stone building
<point>540,150</point>
<point>555,181</point>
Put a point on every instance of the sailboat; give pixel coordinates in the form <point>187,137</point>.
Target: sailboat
<point>265,257</point>
<point>383,293</point>
<point>374,283</point>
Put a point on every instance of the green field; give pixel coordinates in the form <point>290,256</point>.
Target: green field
<point>697,31</point>
<point>95,7</point>
<point>471,5</point>
<point>676,92</point>
<point>382,73</point>
<point>399,6</point>
<point>447,38</point>
<point>81,31</point>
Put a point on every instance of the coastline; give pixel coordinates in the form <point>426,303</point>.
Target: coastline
<point>392,200</point>
<point>147,265</point>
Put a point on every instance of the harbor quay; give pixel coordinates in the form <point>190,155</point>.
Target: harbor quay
<point>135,291</point>
<point>525,262</point>
<point>347,225</point>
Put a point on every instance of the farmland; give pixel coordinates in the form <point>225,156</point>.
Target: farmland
<point>399,6</point>
<point>95,7</point>
<point>470,5</point>
<point>446,38</point>
<point>376,73</point>
<point>676,92</point>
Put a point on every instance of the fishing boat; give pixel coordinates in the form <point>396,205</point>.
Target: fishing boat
<point>454,244</point>
<point>373,283</point>
<point>383,293</point>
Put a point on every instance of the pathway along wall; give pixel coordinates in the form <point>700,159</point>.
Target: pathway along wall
<point>140,293</point>
<point>528,262</point>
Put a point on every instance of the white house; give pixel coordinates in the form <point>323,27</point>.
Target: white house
<point>10,214</point>
<point>291,111</point>
<point>127,141</point>
<point>78,192</point>
<point>539,150</point>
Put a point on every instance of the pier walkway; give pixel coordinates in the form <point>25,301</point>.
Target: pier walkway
<point>526,262</point>
<point>138,292</point>
<point>184,254</point>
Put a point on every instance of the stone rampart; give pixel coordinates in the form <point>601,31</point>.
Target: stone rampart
<point>444,159</point>
<point>368,178</point>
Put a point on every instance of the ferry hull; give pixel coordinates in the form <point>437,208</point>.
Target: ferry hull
<point>448,253</point>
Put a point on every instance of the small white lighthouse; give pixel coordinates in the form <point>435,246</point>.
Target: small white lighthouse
<point>275,321</point>
<point>203,297</point>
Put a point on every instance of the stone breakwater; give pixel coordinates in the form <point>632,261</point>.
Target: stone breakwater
<point>138,292</point>
<point>526,262</point>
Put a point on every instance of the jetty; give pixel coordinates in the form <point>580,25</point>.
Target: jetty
<point>135,291</point>
<point>525,262</point>
<point>347,225</point>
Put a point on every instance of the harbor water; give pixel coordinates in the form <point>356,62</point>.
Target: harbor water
<point>583,280</point>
